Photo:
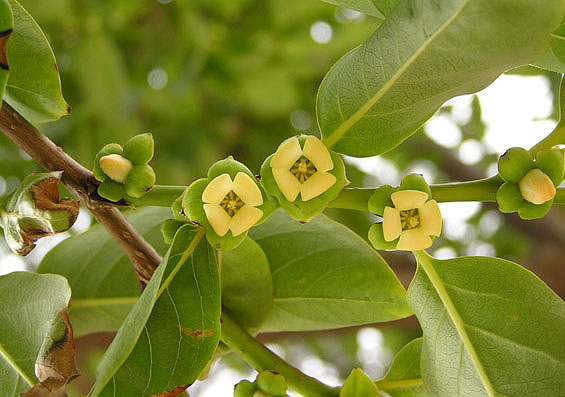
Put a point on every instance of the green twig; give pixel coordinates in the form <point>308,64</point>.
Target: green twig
<point>556,137</point>
<point>261,358</point>
<point>158,196</point>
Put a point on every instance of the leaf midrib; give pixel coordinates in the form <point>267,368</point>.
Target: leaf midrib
<point>427,266</point>
<point>342,129</point>
<point>12,363</point>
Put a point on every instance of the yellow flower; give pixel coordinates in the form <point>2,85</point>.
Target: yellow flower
<point>536,187</point>
<point>117,167</point>
<point>413,219</point>
<point>230,205</point>
<point>303,170</point>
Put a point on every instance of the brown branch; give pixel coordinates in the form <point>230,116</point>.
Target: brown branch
<point>83,185</point>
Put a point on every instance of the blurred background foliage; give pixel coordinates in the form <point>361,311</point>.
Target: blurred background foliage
<point>211,78</point>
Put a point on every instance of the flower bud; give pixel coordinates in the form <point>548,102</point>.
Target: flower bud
<point>116,167</point>
<point>536,187</point>
<point>139,149</point>
<point>111,148</point>
<point>140,180</point>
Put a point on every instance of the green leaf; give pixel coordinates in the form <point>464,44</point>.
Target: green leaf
<point>34,85</point>
<point>375,8</point>
<point>104,284</point>
<point>403,379</point>
<point>554,57</point>
<point>491,328</point>
<point>424,53</point>
<point>325,276</point>
<point>6,31</point>
<point>358,384</point>
<point>247,288</point>
<point>171,333</point>
<point>30,307</point>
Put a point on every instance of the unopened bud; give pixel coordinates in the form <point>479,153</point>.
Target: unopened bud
<point>116,167</point>
<point>536,187</point>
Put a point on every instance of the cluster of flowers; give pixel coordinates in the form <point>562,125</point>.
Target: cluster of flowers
<point>303,176</point>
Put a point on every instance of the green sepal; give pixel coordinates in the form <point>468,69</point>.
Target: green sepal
<point>35,210</point>
<point>381,199</point>
<point>415,182</point>
<point>271,383</point>
<point>377,239</point>
<point>111,148</point>
<point>111,190</point>
<point>358,384</point>
<point>193,207</point>
<point>304,211</point>
<point>528,211</point>
<point>169,228</point>
<point>177,211</point>
<point>514,164</point>
<point>140,148</point>
<point>551,163</point>
<point>509,198</point>
<point>140,179</point>
<point>244,389</point>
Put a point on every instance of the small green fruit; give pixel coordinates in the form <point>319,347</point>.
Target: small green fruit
<point>140,179</point>
<point>111,190</point>
<point>271,383</point>
<point>140,148</point>
<point>244,389</point>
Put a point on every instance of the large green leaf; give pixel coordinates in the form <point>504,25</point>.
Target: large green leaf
<point>426,52</point>
<point>34,85</point>
<point>403,379</point>
<point>554,57</point>
<point>247,288</point>
<point>358,384</point>
<point>101,276</point>
<point>325,276</point>
<point>31,305</point>
<point>171,333</point>
<point>375,8</point>
<point>491,328</point>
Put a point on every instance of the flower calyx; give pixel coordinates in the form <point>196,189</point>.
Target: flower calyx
<point>304,176</point>
<point>529,183</point>
<point>125,171</point>
<point>411,219</point>
<point>267,384</point>
<point>229,202</point>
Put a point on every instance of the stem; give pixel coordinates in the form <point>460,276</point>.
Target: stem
<point>158,196</point>
<point>82,184</point>
<point>261,358</point>
<point>353,199</point>
<point>556,137</point>
<point>479,190</point>
<point>386,385</point>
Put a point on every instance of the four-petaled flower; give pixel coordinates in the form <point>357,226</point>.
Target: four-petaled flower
<point>414,219</point>
<point>303,170</point>
<point>230,205</point>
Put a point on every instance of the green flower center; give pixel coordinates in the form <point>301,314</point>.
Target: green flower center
<point>409,219</point>
<point>303,169</point>
<point>231,203</point>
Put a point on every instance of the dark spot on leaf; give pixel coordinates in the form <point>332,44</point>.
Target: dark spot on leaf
<point>4,37</point>
<point>177,391</point>
<point>46,197</point>
<point>197,334</point>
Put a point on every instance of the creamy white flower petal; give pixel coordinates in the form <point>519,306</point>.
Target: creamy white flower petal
<point>117,167</point>
<point>247,190</point>
<point>217,189</point>
<point>286,155</point>
<point>430,218</point>
<point>536,187</point>
<point>218,218</point>
<point>317,184</point>
<point>414,240</point>
<point>244,219</point>
<point>315,151</point>
<point>288,184</point>
<point>391,224</point>
<point>408,199</point>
